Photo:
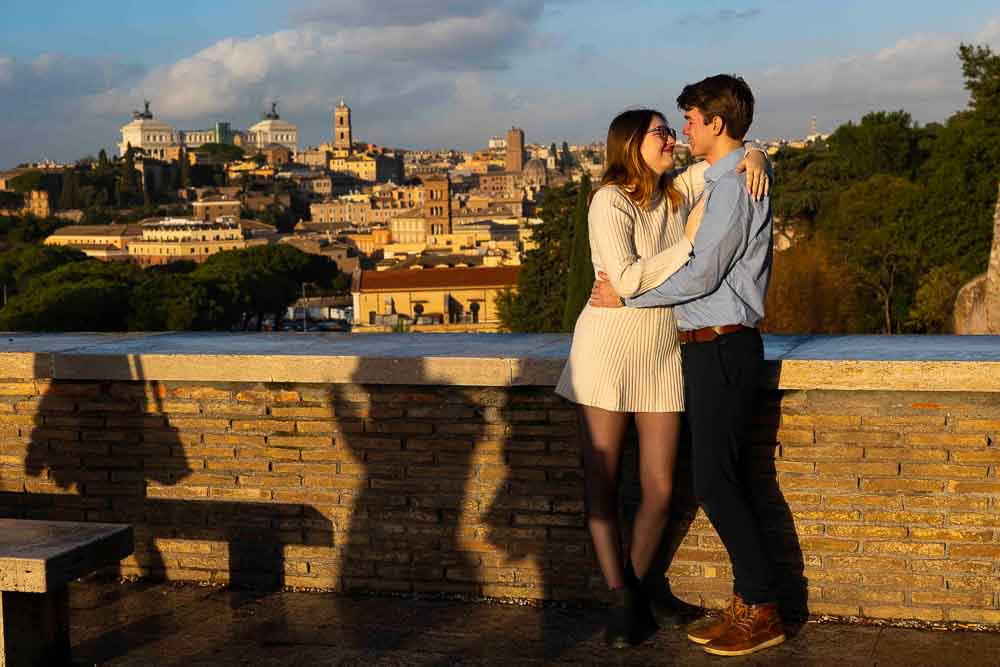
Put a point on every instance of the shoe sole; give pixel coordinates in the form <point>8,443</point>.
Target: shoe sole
<point>700,641</point>
<point>759,647</point>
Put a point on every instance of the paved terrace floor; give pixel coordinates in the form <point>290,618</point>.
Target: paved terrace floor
<point>168,624</point>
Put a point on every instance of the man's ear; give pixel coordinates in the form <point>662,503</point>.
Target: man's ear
<point>718,125</point>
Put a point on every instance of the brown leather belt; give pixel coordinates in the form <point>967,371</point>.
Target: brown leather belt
<point>708,334</point>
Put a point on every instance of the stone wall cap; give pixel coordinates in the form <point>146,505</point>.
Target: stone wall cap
<point>917,363</point>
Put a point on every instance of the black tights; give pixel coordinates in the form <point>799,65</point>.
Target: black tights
<point>603,437</point>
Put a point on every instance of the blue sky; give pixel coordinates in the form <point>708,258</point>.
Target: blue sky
<point>454,72</point>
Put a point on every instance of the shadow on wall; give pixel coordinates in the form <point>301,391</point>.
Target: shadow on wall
<point>774,515</point>
<point>417,489</point>
<point>109,452</point>
<point>442,481</point>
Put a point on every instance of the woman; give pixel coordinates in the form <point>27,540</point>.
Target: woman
<point>626,361</point>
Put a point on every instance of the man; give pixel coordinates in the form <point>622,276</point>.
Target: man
<point>718,300</point>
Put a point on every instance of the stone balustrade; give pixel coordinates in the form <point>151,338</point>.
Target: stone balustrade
<point>445,464</point>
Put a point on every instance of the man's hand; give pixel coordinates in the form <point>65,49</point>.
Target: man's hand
<point>603,295</point>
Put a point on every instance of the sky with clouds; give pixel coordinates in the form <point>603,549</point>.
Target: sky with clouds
<point>451,73</point>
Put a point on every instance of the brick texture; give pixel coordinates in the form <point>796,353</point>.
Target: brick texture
<point>882,504</point>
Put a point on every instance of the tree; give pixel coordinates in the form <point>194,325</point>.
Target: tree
<point>23,230</point>
<point>566,162</point>
<point>805,181</point>
<point>102,160</point>
<point>178,302</point>
<point>262,280</point>
<point>128,180</point>
<point>580,276</point>
<point>70,190</point>
<point>20,265</point>
<point>11,200</point>
<point>811,291</point>
<point>882,143</point>
<point>26,182</point>
<point>539,302</point>
<point>184,167</point>
<point>935,300</point>
<point>81,296</point>
<point>956,221</point>
<point>221,152</point>
<point>981,68</point>
<point>870,227</point>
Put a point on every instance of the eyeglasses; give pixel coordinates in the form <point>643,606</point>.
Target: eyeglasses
<point>665,132</point>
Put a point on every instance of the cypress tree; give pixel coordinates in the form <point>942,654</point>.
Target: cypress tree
<point>567,160</point>
<point>128,184</point>
<point>70,190</point>
<point>580,276</point>
<point>539,302</point>
<point>184,167</point>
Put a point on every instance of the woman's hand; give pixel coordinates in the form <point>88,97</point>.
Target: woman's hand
<point>694,220</point>
<point>754,163</point>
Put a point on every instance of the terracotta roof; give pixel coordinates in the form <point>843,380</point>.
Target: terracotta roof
<point>500,276</point>
<point>97,230</point>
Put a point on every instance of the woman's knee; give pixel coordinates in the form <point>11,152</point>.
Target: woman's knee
<point>656,496</point>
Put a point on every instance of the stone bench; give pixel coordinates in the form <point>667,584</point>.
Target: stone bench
<point>37,560</point>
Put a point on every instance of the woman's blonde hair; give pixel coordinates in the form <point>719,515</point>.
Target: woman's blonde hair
<point>624,165</point>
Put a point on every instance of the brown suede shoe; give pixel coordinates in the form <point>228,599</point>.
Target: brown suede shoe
<point>706,630</point>
<point>756,628</point>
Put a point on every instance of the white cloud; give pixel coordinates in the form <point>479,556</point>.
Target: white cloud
<point>361,58</point>
<point>920,74</point>
<point>432,73</point>
<point>990,34</point>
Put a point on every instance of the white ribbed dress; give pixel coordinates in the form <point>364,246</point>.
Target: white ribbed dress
<point>628,359</point>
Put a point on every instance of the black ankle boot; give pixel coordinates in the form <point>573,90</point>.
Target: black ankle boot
<point>668,610</point>
<point>630,620</point>
<point>619,631</point>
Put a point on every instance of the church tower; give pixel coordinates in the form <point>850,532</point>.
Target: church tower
<point>514,161</point>
<point>342,139</point>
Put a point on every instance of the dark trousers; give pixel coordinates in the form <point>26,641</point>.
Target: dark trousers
<point>720,385</point>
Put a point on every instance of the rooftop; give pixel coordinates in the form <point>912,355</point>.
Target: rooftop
<point>98,230</point>
<point>505,276</point>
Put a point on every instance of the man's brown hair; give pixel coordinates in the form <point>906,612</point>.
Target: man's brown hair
<point>722,95</point>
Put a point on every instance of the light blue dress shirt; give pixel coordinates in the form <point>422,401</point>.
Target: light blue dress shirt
<point>726,279</point>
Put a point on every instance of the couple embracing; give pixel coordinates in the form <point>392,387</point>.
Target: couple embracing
<point>683,260</point>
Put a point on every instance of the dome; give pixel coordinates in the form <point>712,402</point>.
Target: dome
<point>535,172</point>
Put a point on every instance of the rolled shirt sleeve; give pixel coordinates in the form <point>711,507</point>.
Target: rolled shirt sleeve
<point>721,239</point>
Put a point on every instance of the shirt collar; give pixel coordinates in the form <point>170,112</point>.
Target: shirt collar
<point>724,164</point>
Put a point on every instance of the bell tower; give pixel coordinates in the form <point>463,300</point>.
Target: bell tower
<point>342,139</point>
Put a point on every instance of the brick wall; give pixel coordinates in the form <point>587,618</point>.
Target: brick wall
<point>883,504</point>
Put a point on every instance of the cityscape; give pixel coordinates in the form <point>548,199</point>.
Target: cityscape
<point>499,332</point>
<point>377,213</point>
